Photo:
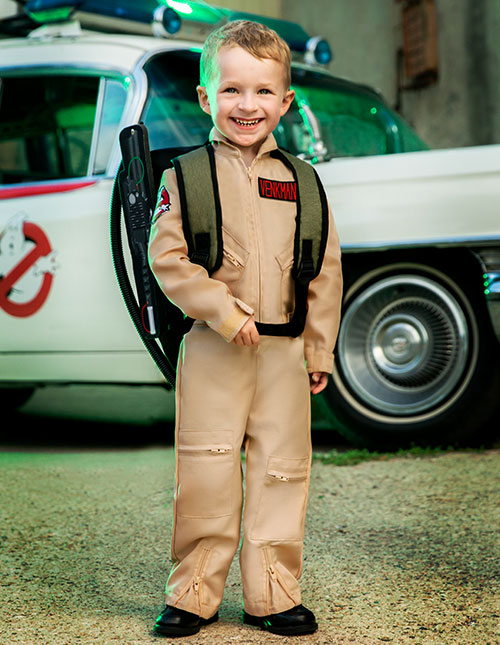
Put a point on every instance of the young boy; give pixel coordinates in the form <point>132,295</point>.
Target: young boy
<point>236,388</point>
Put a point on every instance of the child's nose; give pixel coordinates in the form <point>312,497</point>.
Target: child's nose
<point>247,102</point>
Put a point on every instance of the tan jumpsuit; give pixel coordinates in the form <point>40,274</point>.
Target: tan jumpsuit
<point>231,397</point>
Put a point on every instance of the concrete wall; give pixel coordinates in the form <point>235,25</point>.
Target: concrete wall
<point>360,34</point>
<point>462,109</point>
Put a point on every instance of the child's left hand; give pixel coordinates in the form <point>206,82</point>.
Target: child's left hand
<point>318,381</point>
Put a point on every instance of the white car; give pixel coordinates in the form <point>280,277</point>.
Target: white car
<point>417,355</point>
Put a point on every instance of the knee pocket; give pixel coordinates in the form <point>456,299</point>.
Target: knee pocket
<point>283,499</point>
<point>204,473</point>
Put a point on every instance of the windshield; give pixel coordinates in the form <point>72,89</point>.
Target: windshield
<point>328,118</point>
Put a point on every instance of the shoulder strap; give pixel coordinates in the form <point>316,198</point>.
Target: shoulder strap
<point>311,230</point>
<point>200,206</point>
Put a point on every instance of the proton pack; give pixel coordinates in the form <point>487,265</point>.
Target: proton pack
<point>138,180</point>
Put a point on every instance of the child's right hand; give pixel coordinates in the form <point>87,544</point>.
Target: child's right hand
<point>248,334</point>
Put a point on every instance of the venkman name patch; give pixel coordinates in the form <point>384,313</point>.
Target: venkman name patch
<point>285,191</point>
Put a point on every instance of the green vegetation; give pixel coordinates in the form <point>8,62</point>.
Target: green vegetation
<point>356,456</point>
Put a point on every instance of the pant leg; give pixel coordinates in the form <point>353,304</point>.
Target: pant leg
<point>278,457</point>
<point>214,392</point>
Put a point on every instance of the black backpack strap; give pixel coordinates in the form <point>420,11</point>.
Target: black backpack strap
<point>311,230</point>
<point>200,206</point>
<point>311,234</point>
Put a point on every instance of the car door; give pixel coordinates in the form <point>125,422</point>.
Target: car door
<point>59,300</point>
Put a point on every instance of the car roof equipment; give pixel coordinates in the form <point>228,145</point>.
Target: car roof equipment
<point>160,18</point>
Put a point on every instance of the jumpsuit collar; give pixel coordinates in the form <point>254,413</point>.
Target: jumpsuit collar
<point>224,146</point>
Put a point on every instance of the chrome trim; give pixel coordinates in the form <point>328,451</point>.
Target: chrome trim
<point>403,345</point>
<point>131,114</point>
<point>97,120</point>
<point>378,413</point>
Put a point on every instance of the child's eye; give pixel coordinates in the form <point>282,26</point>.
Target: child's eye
<point>230,90</point>
<point>265,91</point>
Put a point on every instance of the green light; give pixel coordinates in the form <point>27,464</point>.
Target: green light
<point>373,110</point>
<point>486,283</point>
<point>197,12</point>
<point>127,80</point>
<point>54,15</point>
<point>181,7</point>
<point>485,275</point>
<point>486,292</point>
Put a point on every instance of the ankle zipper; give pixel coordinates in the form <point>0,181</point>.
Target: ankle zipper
<point>275,577</point>
<point>196,582</point>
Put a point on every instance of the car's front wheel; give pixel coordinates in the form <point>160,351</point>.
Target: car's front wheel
<point>416,360</point>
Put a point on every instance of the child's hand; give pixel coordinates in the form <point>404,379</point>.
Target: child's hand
<point>248,334</point>
<point>318,381</point>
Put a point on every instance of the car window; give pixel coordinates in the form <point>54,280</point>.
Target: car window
<point>174,118</point>
<point>353,121</point>
<point>172,113</point>
<point>46,124</point>
<point>328,116</point>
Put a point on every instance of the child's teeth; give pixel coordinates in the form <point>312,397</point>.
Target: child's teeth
<point>246,122</point>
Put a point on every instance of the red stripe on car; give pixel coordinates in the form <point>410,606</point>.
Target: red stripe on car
<point>42,189</point>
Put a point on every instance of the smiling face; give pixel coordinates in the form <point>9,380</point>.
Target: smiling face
<point>245,96</point>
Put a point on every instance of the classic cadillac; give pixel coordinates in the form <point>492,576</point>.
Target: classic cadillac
<point>417,354</point>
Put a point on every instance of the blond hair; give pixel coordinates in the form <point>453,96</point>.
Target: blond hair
<point>257,39</point>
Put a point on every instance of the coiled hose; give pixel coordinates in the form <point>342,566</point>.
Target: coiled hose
<point>126,288</point>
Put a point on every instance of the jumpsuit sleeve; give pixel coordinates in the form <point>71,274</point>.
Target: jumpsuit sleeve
<point>189,285</point>
<point>324,303</point>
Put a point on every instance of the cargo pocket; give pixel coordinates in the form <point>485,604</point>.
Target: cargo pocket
<point>287,288</point>
<point>283,500</point>
<point>234,260</point>
<point>205,473</point>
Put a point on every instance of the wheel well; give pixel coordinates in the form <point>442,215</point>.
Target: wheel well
<point>446,259</point>
<point>461,264</point>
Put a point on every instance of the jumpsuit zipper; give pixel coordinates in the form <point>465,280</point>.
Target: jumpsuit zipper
<point>257,232</point>
<point>274,474</point>
<point>196,580</point>
<point>204,449</point>
<point>275,578</point>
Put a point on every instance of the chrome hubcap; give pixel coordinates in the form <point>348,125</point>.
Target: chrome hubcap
<point>403,345</point>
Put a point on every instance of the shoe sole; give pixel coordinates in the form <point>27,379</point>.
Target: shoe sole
<point>292,630</point>
<point>173,632</point>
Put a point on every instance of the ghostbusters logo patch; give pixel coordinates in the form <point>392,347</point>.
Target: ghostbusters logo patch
<point>285,191</point>
<point>163,204</point>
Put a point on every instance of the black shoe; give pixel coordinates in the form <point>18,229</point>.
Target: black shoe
<point>177,622</point>
<point>293,622</point>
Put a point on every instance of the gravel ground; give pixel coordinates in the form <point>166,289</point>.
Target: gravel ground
<point>401,551</point>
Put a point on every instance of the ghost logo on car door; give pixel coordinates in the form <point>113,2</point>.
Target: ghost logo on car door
<point>27,267</point>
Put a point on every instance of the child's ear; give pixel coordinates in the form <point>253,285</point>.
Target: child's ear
<point>287,101</point>
<point>203,99</point>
